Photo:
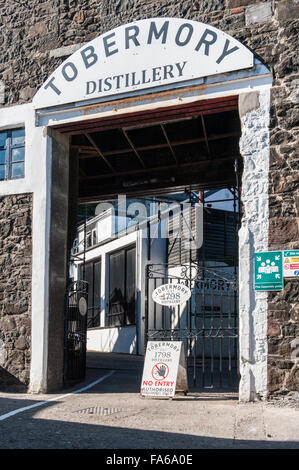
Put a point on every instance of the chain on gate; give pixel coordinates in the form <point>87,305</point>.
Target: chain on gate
<point>76,330</point>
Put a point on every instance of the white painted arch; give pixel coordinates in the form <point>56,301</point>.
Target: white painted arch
<point>141,56</point>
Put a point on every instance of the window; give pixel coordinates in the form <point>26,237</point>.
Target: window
<point>94,236</point>
<point>122,287</point>
<point>93,277</point>
<point>12,154</point>
<point>88,240</point>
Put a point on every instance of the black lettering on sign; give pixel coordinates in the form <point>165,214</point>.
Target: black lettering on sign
<point>178,39</point>
<point>51,85</point>
<point>154,32</point>
<point>108,45</point>
<point>180,68</point>
<point>69,71</point>
<point>133,79</point>
<point>168,71</point>
<point>117,79</point>
<point>156,78</point>
<point>226,51</point>
<point>90,87</point>
<point>131,37</point>
<point>207,42</point>
<point>108,84</point>
<point>89,57</point>
<point>144,77</point>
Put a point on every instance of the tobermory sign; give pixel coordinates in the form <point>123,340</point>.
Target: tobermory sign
<point>268,271</point>
<point>171,294</point>
<point>142,55</point>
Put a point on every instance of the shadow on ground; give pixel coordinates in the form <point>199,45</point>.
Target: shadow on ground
<point>25,431</point>
<point>9,383</point>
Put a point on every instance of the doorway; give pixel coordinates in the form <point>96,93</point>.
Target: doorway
<point>187,153</point>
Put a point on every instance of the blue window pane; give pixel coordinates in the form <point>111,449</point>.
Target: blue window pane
<point>2,156</point>
<point>18,136</point>
<point>17,170</point>
<point>17,155</point>
<point>2,172</point>
<point>3,136</point>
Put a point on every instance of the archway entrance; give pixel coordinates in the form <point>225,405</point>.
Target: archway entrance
<point>185,155</point>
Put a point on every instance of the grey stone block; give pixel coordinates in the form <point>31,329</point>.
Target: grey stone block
<point>248,102</point>
<point>2,92</point>
<point>27,93</point>
<point>65,51</point>
<point>287,10</point>
<point>258,13</point>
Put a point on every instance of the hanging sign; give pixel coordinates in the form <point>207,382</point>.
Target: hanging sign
<point>268,271</point>
<point>83,307</point>
<point>171,294</point>
<point>145,54</point>
<point>291,263</point>
<point>164,371</point>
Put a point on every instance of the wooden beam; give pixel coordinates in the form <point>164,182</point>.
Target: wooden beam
<point>156,146</point>
<point>133,148</point>
<point>99,151</point>
<point>161,168</point>
<point>84,197</point>
<point>164,114</point>
<point>205,134</point>
<point>168,142</point>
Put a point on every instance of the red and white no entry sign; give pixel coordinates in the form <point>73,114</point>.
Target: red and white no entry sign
<point>163,361</point>
<point>160,371</point>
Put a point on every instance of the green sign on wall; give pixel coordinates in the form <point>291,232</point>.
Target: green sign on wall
<point>268,271</point>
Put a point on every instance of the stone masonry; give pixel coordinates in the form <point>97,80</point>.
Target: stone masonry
<point>37,35</point>
<point>15,289</point>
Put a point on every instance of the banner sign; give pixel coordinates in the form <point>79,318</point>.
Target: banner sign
<point>164,368</point>
<point>171,294</point>
<point>142,55</point>
<point>268,271</point>
<point>291,263</point>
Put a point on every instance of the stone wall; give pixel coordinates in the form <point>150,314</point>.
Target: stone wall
<point>37,35</point>
<point>15,289</point>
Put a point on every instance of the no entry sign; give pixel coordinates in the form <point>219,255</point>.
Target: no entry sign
<point>164,368</point>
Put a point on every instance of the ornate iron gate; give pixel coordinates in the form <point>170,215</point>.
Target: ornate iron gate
<point>207,323</point>
<point>75,331</point>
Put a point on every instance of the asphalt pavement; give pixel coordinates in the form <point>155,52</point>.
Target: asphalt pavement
<point>109,413</point>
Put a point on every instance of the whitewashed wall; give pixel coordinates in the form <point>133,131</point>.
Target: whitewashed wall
<point>253,237</point>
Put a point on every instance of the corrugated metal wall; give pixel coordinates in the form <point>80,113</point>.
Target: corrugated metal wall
<point>219,237</point>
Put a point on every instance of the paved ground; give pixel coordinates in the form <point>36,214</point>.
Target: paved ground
<point>207,420</point>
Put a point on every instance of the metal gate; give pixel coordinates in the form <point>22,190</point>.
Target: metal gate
<point>207,323</point>
<point>75,331</point>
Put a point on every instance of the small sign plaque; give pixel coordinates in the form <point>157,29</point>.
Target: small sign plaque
<point>83,306</point>
<point>268,272</point>
<point>291,263</point>
<point>164,370</point>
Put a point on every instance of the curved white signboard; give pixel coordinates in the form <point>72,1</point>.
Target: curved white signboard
<point>171,295</point>
<point>141,55</point>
